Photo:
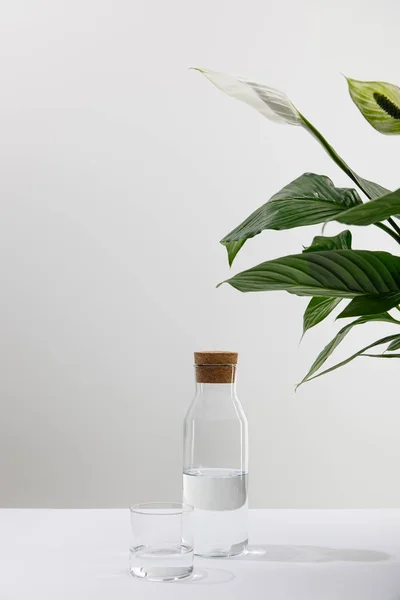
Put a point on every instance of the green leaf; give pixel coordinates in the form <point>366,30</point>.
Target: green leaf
<point>370,305</point>
<point>353,356</point>
<point>339,337</point>
<point>342,241</point>
<point>334,273</point>
<point>372,212</point>
<point>395,345</point>
<point>317,310</point>
<point>379,104</point>
<point>308,200</point>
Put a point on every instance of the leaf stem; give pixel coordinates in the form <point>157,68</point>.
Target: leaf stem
<point>361,183</point>
<point>381,355</point>
<point>332,153</point>
<point>393,234</point>
<point>394,225</point>
<point>350,173</point>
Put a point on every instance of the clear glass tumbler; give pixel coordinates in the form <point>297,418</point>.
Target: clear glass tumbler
<point>162,547</point>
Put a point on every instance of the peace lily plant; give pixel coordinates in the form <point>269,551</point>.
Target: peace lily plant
<point>329,270</point>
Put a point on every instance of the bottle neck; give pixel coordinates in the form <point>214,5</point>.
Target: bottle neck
<point>216,390</point>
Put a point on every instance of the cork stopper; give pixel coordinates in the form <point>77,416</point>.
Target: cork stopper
<point>215,366</point>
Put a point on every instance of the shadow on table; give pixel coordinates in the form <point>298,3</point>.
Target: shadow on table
<point>310,554</point>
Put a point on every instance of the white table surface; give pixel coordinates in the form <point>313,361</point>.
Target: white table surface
<point>294,554</point>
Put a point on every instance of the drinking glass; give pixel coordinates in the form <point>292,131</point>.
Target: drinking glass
<point>162,545</point>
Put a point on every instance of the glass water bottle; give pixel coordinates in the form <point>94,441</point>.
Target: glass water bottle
<point>215,461</point>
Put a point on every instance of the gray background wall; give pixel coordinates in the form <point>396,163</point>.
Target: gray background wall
<point>120,171</point>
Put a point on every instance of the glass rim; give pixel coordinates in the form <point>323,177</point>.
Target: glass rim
<point>156,509</point>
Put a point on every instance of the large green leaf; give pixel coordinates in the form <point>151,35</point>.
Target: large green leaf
<point>339,337</point>
<point>372,212</point>
<point>361,352</point>
<point>308,200</point>
<point>317,310</point>
<point>334,273</point>
<point>378,102</point>
<point>370,305</point>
